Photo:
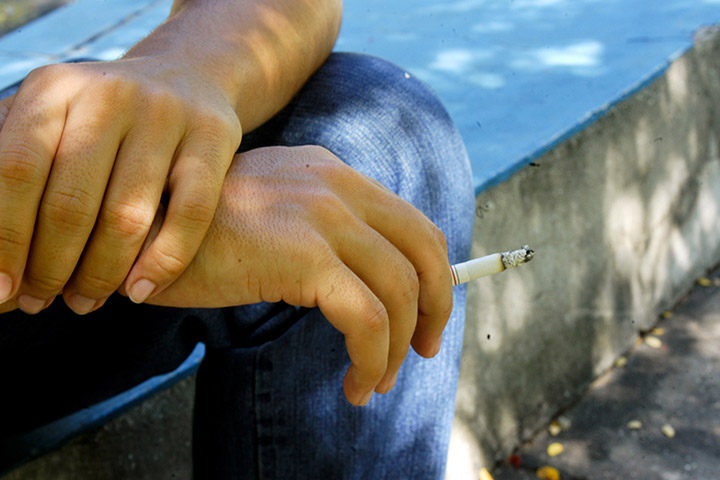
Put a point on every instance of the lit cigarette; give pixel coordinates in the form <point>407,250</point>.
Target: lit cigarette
<point>490,265</point>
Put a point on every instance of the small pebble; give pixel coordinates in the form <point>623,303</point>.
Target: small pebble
<point>653,342</point>
<point>668,430</point>
<point>634,425</point>
<point>564,422</point>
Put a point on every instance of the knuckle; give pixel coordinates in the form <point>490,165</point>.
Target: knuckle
<point>42,74</point>
<point>197,209</point>
<point>376,319</point>
<point>10,237</point>
<point>169,264</point>
<point>20,166</point>
<point>446,309</point>
<point>411,285</point>
<point>127,220</point>
<point>161,105</point>
<point>96,284</point>
<point>69,208</point>
<point>439,236</point>
<point>43,283</point>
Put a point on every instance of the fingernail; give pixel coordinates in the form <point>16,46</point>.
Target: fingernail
<point>364,400</point>
<point>5,287</point>
<point>141,290</point>
<point>81,304</point>
<point>30,304</point>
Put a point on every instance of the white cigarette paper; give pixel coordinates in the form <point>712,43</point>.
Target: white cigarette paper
<point>490,265</point>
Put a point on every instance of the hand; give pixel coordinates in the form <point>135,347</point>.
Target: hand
<point>298,225</point>
<point>86,151</point>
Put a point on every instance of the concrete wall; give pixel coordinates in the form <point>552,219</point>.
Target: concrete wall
<point>624,217</point>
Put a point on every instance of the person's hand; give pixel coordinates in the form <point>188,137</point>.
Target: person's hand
<point>86,151</point>
<point>298,225</point>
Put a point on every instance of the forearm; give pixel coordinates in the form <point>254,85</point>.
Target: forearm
<point>259,52</point>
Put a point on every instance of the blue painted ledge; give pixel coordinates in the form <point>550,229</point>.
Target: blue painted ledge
<point>518,77</point>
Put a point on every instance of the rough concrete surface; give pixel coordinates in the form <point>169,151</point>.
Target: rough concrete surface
<point>671,378</point>
<point>623,217</point>
<point>150,442</point>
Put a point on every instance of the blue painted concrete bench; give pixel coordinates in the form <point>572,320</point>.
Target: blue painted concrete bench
<point>518,78</point>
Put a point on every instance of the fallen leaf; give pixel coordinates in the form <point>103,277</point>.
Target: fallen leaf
<point>653,342</point>
<point>485,475</point>
<point>705,282</point>
<point>668,430</point>
<point>621,362</point>
<point>667,314</point>
<point>634,425</point>
<point>555,449</point>
<point>659,331</point>
<point>548,473</point>
<point>554,429</point>
<point>514,460</point>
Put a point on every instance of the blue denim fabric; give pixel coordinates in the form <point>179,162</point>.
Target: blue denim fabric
<point>269,401</point>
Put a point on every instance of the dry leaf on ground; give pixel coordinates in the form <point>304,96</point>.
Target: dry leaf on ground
<point>548,473</point>
<point>555,449</point>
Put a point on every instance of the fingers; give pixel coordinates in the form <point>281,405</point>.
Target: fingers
<point>352,308</point>
<point>28,142</point>
<point>194,186</point>
<point>72,198</point>
<point>126,216</point>
<point>393,280</point>
<point>424,245</point>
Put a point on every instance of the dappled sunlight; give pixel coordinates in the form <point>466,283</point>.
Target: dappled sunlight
<point>625,228</point>
<point>667,190</point>
<point>582,58</point>
<point>644,143</point>
<point>465,457</point>
<point>516,298</point>
<point>452,7</point>
<point>525,4</point>
<point>492,26</point>
<point>469,65</point>
<point>459,61</point>
<point>709,203</point>
<point>677,81</point>
<point>585,54</point>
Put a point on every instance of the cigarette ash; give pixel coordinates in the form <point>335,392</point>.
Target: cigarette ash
<point>516,258</point>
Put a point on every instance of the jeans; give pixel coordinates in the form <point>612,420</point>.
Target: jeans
<point>269,400</point>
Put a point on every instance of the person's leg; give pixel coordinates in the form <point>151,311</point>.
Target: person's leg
<point>267,409</point>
